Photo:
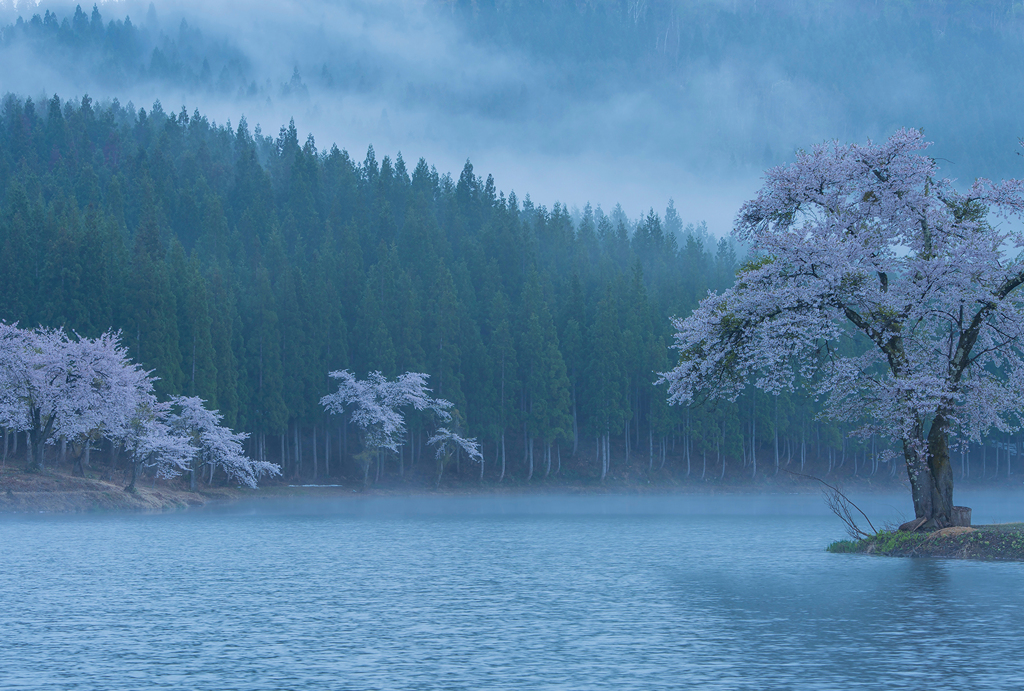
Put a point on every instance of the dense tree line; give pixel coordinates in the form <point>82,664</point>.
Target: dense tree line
<point>119,52</point>
<point>243,268</point>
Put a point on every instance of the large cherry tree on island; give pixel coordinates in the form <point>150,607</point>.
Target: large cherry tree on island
<point>886,291</point>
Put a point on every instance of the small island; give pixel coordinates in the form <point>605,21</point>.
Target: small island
<point>998,542</point>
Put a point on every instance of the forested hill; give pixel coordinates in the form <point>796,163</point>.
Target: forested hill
<point>723,87</point>
<point>243,268</point>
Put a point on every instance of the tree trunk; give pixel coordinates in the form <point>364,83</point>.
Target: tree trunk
<point>575,423</point>
<point>931,475</point>
<point>316,461</point>
<point>502,456</point>
<point>135,476</point>
<point>650,449</point>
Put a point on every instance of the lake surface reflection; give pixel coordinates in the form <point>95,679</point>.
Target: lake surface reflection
<point>730,592</point>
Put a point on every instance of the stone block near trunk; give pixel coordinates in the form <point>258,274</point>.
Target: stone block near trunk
<point>961,516</point>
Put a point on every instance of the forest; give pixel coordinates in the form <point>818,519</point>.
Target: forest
<point>243,268</point>
<point>733,86</point>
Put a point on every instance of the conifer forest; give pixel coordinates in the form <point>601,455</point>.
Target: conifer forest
<point>244,266</point>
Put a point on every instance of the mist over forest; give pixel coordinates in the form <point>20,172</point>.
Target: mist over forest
<point>630,102</point>
<point>514,198</point>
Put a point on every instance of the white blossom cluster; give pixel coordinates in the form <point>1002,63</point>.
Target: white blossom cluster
<point>377,402</point>
<point>57,385</point>
<point>876,284</point>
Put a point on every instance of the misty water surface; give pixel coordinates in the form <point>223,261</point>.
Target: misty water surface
<point>498,592</point>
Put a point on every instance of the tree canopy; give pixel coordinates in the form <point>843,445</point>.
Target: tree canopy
<point>883,289</point>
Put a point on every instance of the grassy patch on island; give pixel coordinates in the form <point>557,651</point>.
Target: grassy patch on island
<point>1001,542</point>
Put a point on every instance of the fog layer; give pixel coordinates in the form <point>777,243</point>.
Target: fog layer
<point>602,101</point>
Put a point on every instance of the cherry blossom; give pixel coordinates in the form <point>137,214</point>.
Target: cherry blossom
<point>883,289</point>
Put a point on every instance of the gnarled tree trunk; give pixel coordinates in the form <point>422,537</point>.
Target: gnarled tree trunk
<point>931,475</point>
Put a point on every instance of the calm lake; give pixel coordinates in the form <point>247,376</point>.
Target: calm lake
<point>597,592</point>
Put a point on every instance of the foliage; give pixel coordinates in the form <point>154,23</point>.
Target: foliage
<point>868,241</point>
<point>54,385</point>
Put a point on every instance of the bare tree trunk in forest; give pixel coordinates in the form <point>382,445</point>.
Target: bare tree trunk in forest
<point>687,442</point>
<point>298,450</point>
<point>627,441</point>
<point>776,435</point>
<point>559,469</point>
<point>327,451</point>
<point>316,461</point>
<point>526,446</point>
<point>502,477</point>
<point>547,459</point>
<point>575,424</point>
<point>753,432</point>
<point>401,456</point>
<point>604,455</point>
<point>529,444</point>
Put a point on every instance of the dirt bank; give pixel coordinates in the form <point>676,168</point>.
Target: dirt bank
<point>22,492</point>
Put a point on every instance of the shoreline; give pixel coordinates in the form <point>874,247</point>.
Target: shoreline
<point>23,492</point>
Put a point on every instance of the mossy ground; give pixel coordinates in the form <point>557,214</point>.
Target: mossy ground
<point>1001,542</point>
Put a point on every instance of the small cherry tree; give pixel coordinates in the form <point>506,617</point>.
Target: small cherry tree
<point>866,244</point>
<point>212,445</point>
<point>376,404</point>
<point>151,442</point>
<point>448,441</point>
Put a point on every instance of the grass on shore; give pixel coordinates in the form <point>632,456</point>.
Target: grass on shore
<point>1000,542</point>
